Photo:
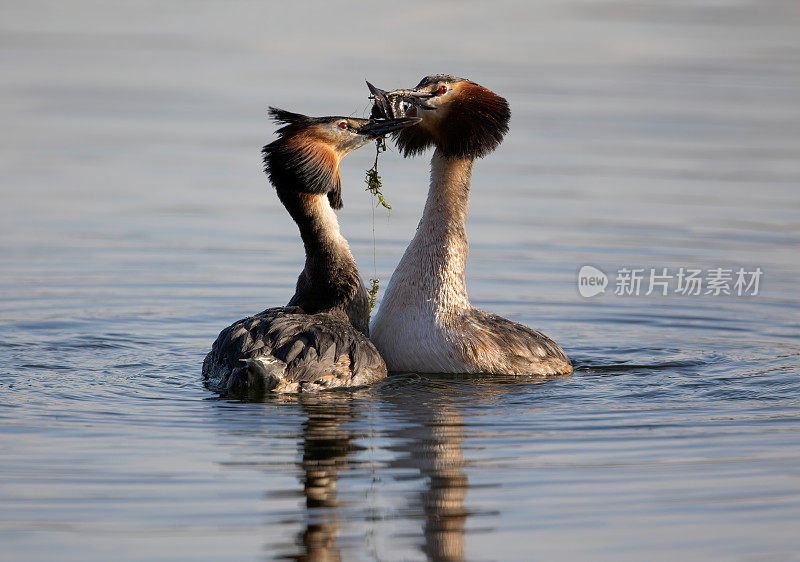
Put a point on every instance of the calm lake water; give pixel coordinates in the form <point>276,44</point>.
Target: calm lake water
<point>136,223</point>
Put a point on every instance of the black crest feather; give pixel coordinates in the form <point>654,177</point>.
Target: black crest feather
<point>288,118</point>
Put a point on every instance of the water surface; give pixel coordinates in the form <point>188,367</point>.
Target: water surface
<point>136,223</point>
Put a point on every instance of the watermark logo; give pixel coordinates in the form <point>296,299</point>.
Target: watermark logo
<point>684,281</point>
<point>591,281</point>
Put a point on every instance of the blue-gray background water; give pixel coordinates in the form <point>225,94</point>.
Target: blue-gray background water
<point>137,223</point>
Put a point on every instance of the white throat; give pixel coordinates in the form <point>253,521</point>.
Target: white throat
<point>324,217</point>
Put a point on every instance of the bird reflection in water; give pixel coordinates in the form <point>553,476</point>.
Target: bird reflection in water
<point>439,458</point>
<point>442,461</point>
<point>328,441</point>
<point>425,437</point>
<point>432,444</point>
<point>427,440</point>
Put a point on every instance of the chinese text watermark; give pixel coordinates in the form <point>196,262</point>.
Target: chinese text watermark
<point>685,281</point>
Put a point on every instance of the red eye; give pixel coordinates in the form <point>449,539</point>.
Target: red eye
<point>442,89</point>
<point>343,125</point>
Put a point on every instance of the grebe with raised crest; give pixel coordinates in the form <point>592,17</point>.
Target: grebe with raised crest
<point>320,340</point>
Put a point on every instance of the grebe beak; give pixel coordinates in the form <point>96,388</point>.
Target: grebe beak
<point>378,127</point>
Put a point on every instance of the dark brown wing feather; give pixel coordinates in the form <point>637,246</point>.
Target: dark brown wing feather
<point>286,350</point>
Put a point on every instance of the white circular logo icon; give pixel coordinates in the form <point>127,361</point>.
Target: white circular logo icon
<point>591,281</point>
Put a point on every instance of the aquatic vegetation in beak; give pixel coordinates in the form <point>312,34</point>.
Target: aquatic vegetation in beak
<point>373,181</point>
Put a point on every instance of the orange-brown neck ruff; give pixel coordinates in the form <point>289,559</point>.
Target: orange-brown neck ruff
<point>475,124</point>
<point>471,126</point>
<point>300,160</point>
<point>319,164</point>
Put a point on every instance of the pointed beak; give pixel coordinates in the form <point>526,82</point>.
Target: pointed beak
<point>387,103</point>
<point>378,127</point>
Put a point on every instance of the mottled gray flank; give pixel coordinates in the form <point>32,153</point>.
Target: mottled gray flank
<point>285,349</point>
<point>513,348</point>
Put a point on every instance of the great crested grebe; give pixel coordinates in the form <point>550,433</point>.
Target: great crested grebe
<point>426,322</point>
<point>321,338</point>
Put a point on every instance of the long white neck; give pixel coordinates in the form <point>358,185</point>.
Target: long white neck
<point>433,267</point>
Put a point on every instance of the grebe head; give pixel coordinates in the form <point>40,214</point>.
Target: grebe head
<point>305,157</point>
<point>459,117</point>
